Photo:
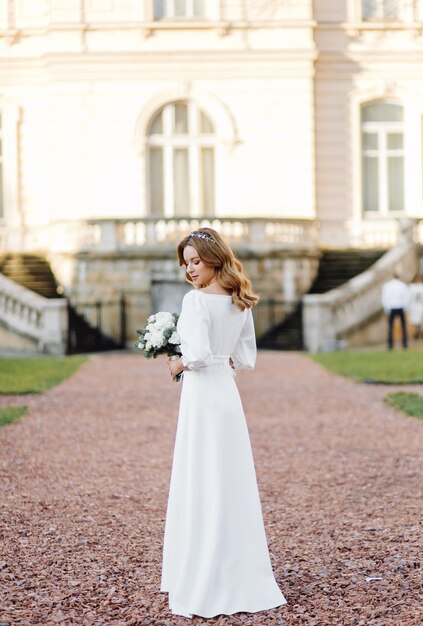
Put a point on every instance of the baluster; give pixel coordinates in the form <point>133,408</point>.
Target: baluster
<point>151,238</point>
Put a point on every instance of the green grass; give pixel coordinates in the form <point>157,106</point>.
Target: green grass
<point>409,403</point>
<point>397,366</point>
<point>11,414</point>
<point>35,375</point>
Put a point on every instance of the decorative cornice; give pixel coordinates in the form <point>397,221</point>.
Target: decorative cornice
<point>164,24</point>
<point>348,56</point>
<point>370,25</point>
<point>188,57</point>
<point>356,29</point>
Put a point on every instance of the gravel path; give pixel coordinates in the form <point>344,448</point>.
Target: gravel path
<point>84,478</point>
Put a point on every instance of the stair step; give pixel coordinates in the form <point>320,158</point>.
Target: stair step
<point>35,274</point>
<point>31,272</point>
<point>43,290</point>
<point>335,269</point>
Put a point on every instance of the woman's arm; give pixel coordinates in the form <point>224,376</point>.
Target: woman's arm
<point>193,328</point>
<point>245,352</point>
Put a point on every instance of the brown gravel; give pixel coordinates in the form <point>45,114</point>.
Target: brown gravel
<point>84,478</point>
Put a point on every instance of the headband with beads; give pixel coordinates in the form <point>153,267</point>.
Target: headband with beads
<point>202,236</point>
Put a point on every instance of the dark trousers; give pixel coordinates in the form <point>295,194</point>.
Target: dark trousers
<point>393,313</point>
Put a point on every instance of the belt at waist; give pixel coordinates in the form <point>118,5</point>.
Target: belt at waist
<point>220,358</point>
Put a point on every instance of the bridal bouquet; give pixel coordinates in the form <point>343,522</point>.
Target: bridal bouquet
<point>159,336</point>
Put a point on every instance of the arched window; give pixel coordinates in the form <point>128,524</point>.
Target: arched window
<point>181,155</point>
<point>381,9</point>
<point>382,143</point>
<point>178,8</point>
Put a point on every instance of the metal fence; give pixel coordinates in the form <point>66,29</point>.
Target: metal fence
<point>97,325</point>
<point>270,313</point>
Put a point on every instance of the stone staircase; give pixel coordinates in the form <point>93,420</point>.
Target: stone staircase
<point>336,268</point>
<point>32,272</point>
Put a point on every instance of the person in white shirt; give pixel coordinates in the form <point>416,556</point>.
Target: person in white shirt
<point>395,301</point>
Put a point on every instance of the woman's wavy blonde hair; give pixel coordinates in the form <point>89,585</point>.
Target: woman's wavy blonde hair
<point>215,253</point>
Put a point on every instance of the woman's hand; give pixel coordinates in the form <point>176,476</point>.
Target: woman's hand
<point>175,367</point>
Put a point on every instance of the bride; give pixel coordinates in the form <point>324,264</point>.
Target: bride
<point>215,553</point>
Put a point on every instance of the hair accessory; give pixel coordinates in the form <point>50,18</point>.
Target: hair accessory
<point>202,236</point>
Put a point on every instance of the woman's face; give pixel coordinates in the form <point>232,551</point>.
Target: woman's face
<point>199,272</point>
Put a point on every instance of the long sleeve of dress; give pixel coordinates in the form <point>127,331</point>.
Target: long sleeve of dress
<point>245,351</point>
<point>193,328</point>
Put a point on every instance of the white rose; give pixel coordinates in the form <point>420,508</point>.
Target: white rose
<point>156,339</point>
<point>163,315</point>
<point>164,320</point>
<point>174,338</point>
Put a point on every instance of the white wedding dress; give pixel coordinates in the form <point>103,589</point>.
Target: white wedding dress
<point>215,554</point>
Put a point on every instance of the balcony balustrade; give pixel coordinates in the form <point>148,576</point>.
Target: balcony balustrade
<point>117,235</point>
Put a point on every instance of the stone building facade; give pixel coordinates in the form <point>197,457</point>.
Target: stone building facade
<point>124,122</point>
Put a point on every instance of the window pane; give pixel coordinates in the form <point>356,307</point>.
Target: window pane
<point>159,9</point>
<point>391,9</point>
<point>369,9</point>
<point>156,126</point>
<point>370,141</point>
<point>199,7</point>
<point>181,119</point>
<point>181,199</point>
<point>395,141</point>
<point>207,181</point>
<point>382,112</point>
<point>206,127</point>
<point>370,184</point>
<point>156,181</point>
<point>381,9</point>
<point>396,183</point>
<point>180,8</point>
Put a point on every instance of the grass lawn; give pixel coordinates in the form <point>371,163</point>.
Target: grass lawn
<point>409,403</point>
<point>34,375</point>
<point>397,366</point>
<point>11,414</point>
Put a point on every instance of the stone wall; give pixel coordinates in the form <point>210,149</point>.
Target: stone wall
<point>28,319</point>
<point>375,333</point>
<point>152,281</point>
<point>13,342</point>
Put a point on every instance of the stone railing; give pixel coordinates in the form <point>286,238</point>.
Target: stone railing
<point>250,232</point>
<point>375,233</point>
<point>331,316</point>
<point>112,235</point>
<point>41,321</point>
<point>61,236</point>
